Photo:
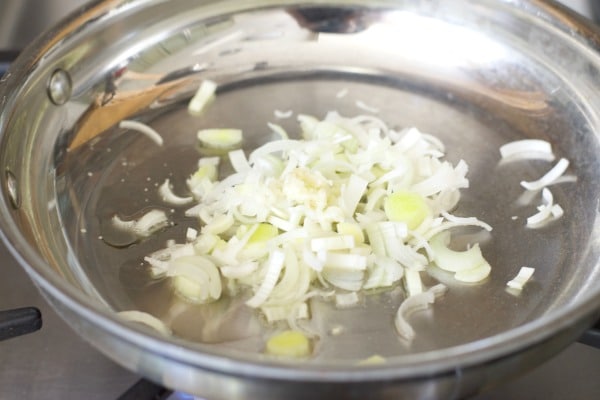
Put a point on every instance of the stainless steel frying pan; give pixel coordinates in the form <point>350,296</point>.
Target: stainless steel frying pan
<point>477,74</point>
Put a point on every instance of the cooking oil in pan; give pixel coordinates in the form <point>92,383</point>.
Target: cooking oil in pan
<point>128,169</point>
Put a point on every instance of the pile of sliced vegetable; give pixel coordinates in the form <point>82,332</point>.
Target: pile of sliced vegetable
<point>337,208</point>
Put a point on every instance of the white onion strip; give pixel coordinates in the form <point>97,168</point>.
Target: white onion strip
<point>472,221</point>
<point>412,304</point>
<point>142,128</point>
<point>549,178</point>
<point>450,224</point>
<point>151,222</point>
<point>547,211</point>
<point>283,114</point>
<point>238,160</point>
<point>527,148</point>
<point>191,234</point>
<point>203,96</point>
<point>239,271</point>
<point>201,271</point>
<point>272,147</point>
<point>274,266</point>
<point>352,193</point>
<point>166,193</point>
<point>409,306</point>
<point>413,282</point>
<point>146,319</point>
<point>339,242</point>
<point>363,106</point>
<point>519,281</point>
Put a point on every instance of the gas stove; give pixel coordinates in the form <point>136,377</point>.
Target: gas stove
<point>55,363</point>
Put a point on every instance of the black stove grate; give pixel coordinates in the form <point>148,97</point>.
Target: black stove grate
<point>6,57</point>
<point>144,389</point>
<point>19,321</point>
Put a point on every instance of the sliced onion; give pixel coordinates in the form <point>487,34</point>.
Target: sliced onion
<point>383,273</point>
<point>466,221</point>
<point>343,261</point>
<point>527,149</point>
<point>352,194</point>
<point>519,281</point>
<point>204,96</point>
<point>413,283</point>
<point>279,130</point>
<point>283,114</point>
<point>311,259</point>
<point>435,142</point>
<point>238,161</point>
<point>142,128</point>
<point>159,260</point>
<point>363,106</point>
<point>172,252</point>
<point>375,199</point>
<point>166,192</point>
<point>274,266</point>
<point>445,177</point>
<point>473,275</point>
<point>272,147</point>
<point>468,265</point>
<point>376,239</point>
<point>294,282</point>
<point>338,242</point>
<point>121,224</point>
<point>415,303</point>
<point>281,223</point>
<point>146,319</point>
<point>438,290</point>
<point>191,234</point>
<point>151,222</point>
<point>239,271</point>
<point>206,242</point>
<point>410,305</point>
<point>546,212</point>
<point>200,271</point>
<point>454,261</point>
<point>549,178</point>
<point>392,235</point>
<point>350,280</point>
<point>219,224</point>
<point>220,138</point>
<point>407,139</point>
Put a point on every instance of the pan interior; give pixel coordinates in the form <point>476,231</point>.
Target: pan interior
<point>451,72</point>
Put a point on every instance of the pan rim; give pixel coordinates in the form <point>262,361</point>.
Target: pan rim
<point>418,365</point>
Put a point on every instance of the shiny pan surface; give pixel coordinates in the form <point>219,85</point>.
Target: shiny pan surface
<point>476,74</point>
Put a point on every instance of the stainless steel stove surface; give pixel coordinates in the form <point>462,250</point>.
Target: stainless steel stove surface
<point>54,363</point>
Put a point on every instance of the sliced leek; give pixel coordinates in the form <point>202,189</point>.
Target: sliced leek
<point>352,205</point>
